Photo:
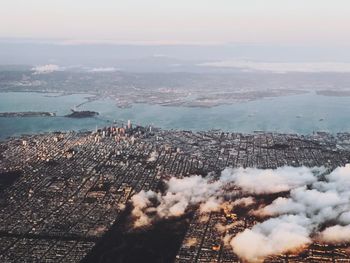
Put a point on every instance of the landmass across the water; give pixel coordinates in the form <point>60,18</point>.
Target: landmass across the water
<point>185,89</point>
<point>334,93</point>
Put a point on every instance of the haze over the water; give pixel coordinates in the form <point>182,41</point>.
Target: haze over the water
<point>39,31</point>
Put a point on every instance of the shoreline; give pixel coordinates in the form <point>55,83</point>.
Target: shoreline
<point>199,103</point>
<point>82,131</point>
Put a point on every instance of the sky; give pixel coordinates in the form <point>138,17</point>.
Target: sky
<point>292,22</point>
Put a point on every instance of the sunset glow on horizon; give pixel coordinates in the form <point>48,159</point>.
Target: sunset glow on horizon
<point>172,22</point>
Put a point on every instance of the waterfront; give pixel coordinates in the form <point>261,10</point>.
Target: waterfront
<point>301,114</point>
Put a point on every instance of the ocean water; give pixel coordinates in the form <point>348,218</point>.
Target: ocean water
<point>301,114</point>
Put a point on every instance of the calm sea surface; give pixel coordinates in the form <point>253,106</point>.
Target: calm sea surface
<point>299,113</point>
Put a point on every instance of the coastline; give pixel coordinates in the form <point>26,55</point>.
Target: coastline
<point>240,117</point>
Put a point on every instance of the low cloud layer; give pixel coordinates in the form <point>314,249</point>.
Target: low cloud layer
<point>273,236</point>
<point>106,69</point>
<point>281,67</point>
<point>181,193</point>
<point>258,181</point>
<point>45,69</point>
<point>314,206</point>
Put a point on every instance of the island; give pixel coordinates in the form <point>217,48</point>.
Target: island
<point>27,114</point>
<point>82,114</point>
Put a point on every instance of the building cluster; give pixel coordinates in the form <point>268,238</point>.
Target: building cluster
<point>61,192</point>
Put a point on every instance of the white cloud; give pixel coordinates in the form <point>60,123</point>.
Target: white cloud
<point>45,69</point>
<point>259,181</point>
<point>274,236</point>
<point>106,69</point>
<point>313,199</point>
<point>336,234</point>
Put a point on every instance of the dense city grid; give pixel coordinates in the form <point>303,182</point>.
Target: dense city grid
<point>61,192</point>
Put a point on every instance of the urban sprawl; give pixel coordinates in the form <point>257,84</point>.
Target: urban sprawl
<point>62,193</point>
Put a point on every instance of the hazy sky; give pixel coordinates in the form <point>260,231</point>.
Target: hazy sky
<point>299,22</point>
